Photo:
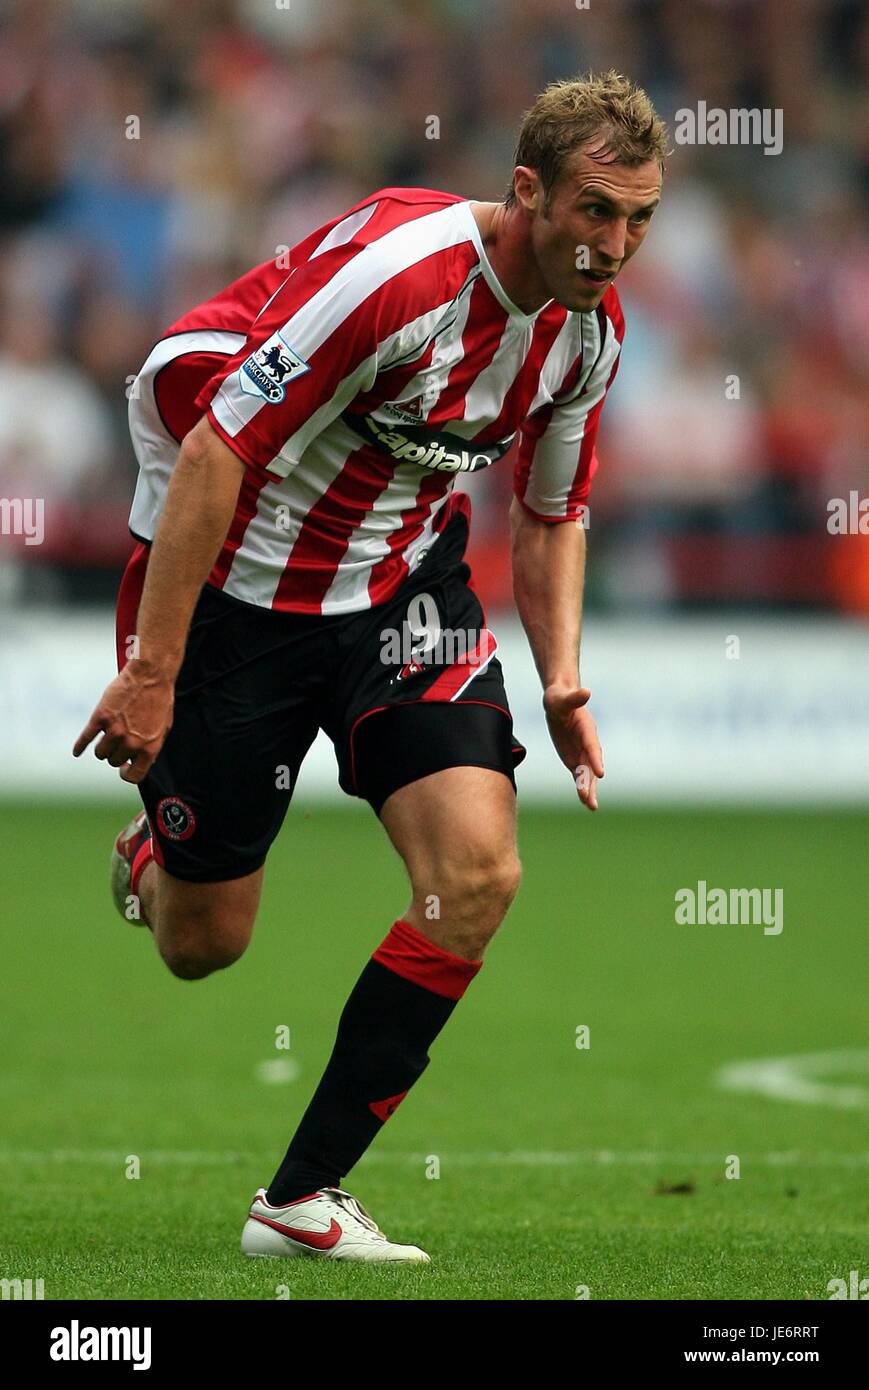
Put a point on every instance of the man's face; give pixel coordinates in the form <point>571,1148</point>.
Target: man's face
<point>598,205</point>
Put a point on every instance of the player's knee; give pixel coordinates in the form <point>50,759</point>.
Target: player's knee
<point>202,948</point>
<point>194,961</point>
<point>482,889</point>
<point>506,878</point>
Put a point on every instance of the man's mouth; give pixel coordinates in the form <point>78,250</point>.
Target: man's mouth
<point>598,277</point>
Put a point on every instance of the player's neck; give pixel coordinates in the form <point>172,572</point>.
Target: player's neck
<point>506,239</point>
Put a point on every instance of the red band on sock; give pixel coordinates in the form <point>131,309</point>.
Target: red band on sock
<point>141,859</point>
<point>411,955</point>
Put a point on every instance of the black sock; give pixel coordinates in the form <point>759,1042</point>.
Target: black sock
<point>387,1026</point>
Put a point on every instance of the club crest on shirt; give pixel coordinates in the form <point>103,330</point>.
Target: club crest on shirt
<point>268,369</point>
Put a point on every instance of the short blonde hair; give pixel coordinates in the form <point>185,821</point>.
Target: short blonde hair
<point>608,109</point>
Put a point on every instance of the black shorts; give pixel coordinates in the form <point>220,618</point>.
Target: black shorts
<point>256,685</point>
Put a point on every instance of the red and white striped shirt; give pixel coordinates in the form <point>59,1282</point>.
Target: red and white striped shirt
<point>356,385</point>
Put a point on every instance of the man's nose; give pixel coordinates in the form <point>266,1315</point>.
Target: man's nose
<point>613,240</point>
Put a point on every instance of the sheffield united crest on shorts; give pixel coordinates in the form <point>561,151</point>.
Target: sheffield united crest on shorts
<point>175,819</point>
<point>268,369</point>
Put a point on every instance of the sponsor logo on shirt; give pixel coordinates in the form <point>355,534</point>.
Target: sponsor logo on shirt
<point>426,446</point>
<point>268,369</point>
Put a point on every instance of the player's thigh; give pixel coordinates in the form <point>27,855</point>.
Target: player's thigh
<point>200,927</point>
<point>456,832</point>
<point>455,815</point>
<point>429,741</point>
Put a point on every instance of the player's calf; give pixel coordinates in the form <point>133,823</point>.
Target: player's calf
<point>455,830</point>
<point>198,927</point>
<point>203,927</point>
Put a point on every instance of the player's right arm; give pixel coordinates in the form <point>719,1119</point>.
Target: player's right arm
<point>134,714</point>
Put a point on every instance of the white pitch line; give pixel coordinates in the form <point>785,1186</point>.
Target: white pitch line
<point>800,1078</point>
<point>493,1159</point>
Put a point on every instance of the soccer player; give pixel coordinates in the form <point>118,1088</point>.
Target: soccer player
<point>307,530</point>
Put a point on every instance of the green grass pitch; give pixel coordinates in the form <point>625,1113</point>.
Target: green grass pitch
<point>554,1160</point>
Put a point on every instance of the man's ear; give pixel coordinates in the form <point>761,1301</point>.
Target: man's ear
<point>528,189</point>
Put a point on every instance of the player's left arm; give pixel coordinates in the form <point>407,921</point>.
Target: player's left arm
<point>548,579</point>
<point>549,517</point>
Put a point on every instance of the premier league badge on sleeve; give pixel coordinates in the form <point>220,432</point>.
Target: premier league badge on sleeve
<point>268,369</point>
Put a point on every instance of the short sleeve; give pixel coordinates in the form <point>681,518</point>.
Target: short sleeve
<point>557,457</point>
<point>338,319</point>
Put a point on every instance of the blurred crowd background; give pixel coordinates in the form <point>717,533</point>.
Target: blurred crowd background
<point>257,120</point>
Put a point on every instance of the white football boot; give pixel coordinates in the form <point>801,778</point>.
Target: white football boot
<point>126,846</point>
<point>329,1223</point>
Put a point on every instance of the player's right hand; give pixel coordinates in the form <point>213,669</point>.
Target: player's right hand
<point>134,716</point>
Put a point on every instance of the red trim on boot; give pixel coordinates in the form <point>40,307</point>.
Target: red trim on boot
<point>410,954</point>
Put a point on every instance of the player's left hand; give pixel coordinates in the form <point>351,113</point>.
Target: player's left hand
<point>572,730</point>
